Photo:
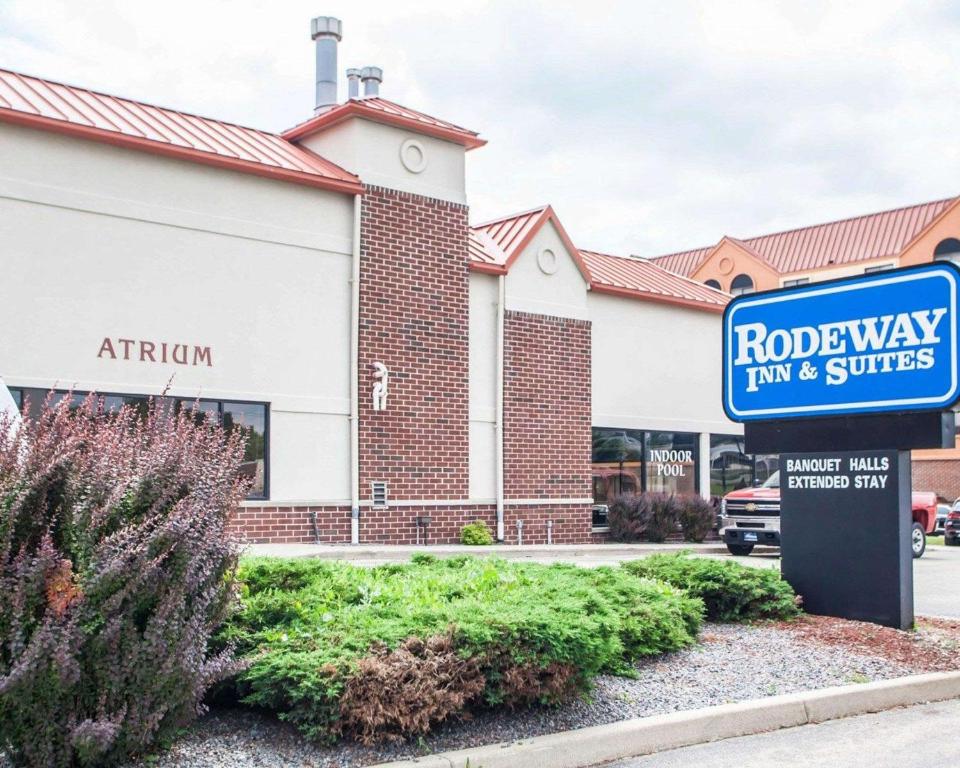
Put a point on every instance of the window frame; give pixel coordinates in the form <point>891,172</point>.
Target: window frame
<point>644,462</point>
<point>177,400</point>
<point>743,290</point>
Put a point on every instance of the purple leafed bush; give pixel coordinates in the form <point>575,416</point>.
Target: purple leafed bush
<point>116,567</point>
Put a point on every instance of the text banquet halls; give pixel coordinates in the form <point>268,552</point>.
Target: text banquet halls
<point>860,472</point>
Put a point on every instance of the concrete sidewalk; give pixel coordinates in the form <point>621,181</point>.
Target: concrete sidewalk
<point>581,554</point>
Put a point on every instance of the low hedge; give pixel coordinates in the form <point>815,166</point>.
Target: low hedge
<point>476,535</point>
<point>389,652</point>
<point>729,591</point>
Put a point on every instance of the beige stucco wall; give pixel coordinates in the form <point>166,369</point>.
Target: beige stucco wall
<point>530,289</point>
<point>656,366</point>
<point>372,151</point>
<point>98,241</point>
<point>484,295</point>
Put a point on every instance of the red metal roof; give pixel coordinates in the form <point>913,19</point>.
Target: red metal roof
<point>507,235</point>
<point>494,245</point>
<point>30,101</point>
<point>639,278</point>
<point>383,111</point>
<point>873,236</point>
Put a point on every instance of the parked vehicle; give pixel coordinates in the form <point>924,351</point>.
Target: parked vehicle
<point>751,517</point>
<point>942,511</point>
<point>951,528</point>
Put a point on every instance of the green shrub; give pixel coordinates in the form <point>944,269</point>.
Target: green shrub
<point>664,516</point>
<point>389,652</point>
<point>729,591</point>
<point>476,535</point>
<point>115,570</point>
<point>697,518</point>
<point>628,517</point>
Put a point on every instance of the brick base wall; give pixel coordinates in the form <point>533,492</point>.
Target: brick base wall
<point>292,525</point>
<point>572,523</point>
<point>940,476</point>
<point>295,525</point>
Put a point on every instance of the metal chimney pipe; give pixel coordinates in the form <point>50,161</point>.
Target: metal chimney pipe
<point>371,77</point>
<point>326,32</point>
<point>353,83</point>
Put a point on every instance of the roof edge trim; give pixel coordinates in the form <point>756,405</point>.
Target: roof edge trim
<point>629,293</point>
<point>357,109</point>
<point>171,150</point>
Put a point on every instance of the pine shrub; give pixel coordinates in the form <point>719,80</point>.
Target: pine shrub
<point>697,518</point>
<point>390,652</point>
<point>729,591</point>
<point>115,570</point>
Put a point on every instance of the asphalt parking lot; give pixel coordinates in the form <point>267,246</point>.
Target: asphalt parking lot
<point>936,577</point>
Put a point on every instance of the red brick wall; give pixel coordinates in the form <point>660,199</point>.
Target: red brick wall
<point>547,407</point>
<point>395,525</point>
<point>414,317</point>
<point>940,476</point>
<point>292,525</point>
<point>571,523</point>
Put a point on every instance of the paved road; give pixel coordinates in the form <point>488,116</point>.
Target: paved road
<point>916,737</point>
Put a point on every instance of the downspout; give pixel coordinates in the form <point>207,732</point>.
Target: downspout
<point>355,377</point>
<point>501,286</point>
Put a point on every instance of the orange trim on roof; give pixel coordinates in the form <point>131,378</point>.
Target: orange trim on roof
<point>923,232</point>
<point>388,113</point>
<point>630,293</point>
<point>882,235</point>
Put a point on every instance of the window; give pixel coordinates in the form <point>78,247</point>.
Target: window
<point>632,460</point>
<point>878,268</point>
<point>732,469</point>
<point>713,284</point>
<point>947,250</point>
<point>252,418</point>
<point>795,282</point>
<point>671,462</point>
<point>741,284</point>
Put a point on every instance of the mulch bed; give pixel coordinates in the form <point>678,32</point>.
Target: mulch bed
<point>933,647</point>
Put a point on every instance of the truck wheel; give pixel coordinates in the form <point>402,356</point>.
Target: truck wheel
<point>918,540</point>
<point>951,542</point>
<point>741,550</point>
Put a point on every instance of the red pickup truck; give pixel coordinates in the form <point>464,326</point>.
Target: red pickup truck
<point>751,517</point>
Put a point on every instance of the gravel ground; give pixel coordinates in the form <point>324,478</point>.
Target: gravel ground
<point>732,663</point>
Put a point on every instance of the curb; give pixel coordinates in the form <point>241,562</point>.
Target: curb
<point>631,738</point>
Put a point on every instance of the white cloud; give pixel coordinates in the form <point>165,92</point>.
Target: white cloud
<point>650,126</point>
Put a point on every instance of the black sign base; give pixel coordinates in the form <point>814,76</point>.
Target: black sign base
<point>845,530</point>
<point>928,429</point>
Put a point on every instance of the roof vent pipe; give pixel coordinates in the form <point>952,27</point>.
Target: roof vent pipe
<point>353,83</point>
<point>372,77</point>
<point>326,31</point>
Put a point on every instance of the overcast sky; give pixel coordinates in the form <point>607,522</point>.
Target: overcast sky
<point>650,126</point>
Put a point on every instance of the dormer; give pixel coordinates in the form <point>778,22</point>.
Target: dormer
<point>382,142</point>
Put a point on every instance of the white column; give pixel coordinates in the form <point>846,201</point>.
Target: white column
<point>705,464</point>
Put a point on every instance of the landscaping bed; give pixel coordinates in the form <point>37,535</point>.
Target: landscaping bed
<point>732,662</point>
